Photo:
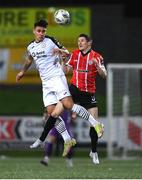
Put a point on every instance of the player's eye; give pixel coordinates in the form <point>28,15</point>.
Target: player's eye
<point>39,31</point>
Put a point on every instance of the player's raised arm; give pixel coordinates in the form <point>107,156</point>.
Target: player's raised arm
<point>100,68</point>
<point>63,51</point>
<point>64,56</point>
<point>26,65</point>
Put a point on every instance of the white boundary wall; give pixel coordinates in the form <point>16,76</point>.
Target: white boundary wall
<point>28,128</point>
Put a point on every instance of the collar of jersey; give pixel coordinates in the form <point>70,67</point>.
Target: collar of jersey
<point>84,54</point>
<point>39,41</point>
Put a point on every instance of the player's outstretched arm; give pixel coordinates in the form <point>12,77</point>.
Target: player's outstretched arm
<point>26,65</point>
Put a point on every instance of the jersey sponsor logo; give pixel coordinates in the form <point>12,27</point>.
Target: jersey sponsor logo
<point>65,93</point>
<point>90,62</point>
<point>82,70</point>
<point>40,52</point>
<point>38,55</point>
<point>93,99</point>
<point>43,45</point>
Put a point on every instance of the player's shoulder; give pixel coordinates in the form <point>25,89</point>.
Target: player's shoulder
<point>30,45</point>
<point>50,37</point>
<point>54,40</point>
<point>97,54</point>
<point>75,51</point>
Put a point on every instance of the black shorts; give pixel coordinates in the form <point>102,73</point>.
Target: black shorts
<point>85,99</point>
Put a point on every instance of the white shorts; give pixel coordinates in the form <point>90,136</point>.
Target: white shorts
<point>54,89</point>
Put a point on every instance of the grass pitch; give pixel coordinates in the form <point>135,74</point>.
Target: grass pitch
<point>30,168</point>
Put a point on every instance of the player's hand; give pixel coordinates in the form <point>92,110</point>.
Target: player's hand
<point>19,76</point>
<point>56,51</point>
<point>96,62</point>
<point>62,52</point>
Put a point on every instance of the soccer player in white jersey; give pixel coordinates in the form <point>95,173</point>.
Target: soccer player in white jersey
<point>45,51</point>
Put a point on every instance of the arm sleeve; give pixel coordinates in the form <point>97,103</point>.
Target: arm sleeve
<point>100,60</point>
<point>28,52</point>
<point>56,43</point>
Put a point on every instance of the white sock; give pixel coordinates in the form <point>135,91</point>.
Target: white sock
<point>61,128</point>
<point>65,135</point>
<point>92,120</point>
<point>82,112</point>
<point>46,159</point>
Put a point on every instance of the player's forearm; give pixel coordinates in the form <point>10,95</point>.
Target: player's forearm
<point>64,50</point>
<point>26,65</point>
<point>102,71</point>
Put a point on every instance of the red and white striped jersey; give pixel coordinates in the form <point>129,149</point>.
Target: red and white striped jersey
<point>84,69</point>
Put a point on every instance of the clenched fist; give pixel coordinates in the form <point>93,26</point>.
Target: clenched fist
<point>19,76</point>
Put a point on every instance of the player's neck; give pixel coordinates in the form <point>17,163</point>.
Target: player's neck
<point>85,51</point>
<point>38,41</point>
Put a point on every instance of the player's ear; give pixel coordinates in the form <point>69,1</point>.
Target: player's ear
<point>33,31</point>
<point>90,42</point>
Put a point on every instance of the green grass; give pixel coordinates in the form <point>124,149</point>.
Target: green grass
<point>30,168</point>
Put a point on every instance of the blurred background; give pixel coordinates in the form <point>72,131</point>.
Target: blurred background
<point>116,29</point>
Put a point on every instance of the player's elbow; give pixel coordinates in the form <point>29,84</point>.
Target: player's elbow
<point>104,74</point>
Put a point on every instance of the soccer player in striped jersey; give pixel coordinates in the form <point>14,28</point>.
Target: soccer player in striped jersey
<point>45,52</point>
<point>85,64</point>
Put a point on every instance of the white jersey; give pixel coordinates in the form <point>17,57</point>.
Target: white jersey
<point>42,52</point>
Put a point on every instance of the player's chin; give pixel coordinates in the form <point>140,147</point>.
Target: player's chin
<point>41,38</point>
<point>81,48</point>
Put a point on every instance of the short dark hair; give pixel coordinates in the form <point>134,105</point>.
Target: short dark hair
<point>88,38</point>
<point>41,23</point>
